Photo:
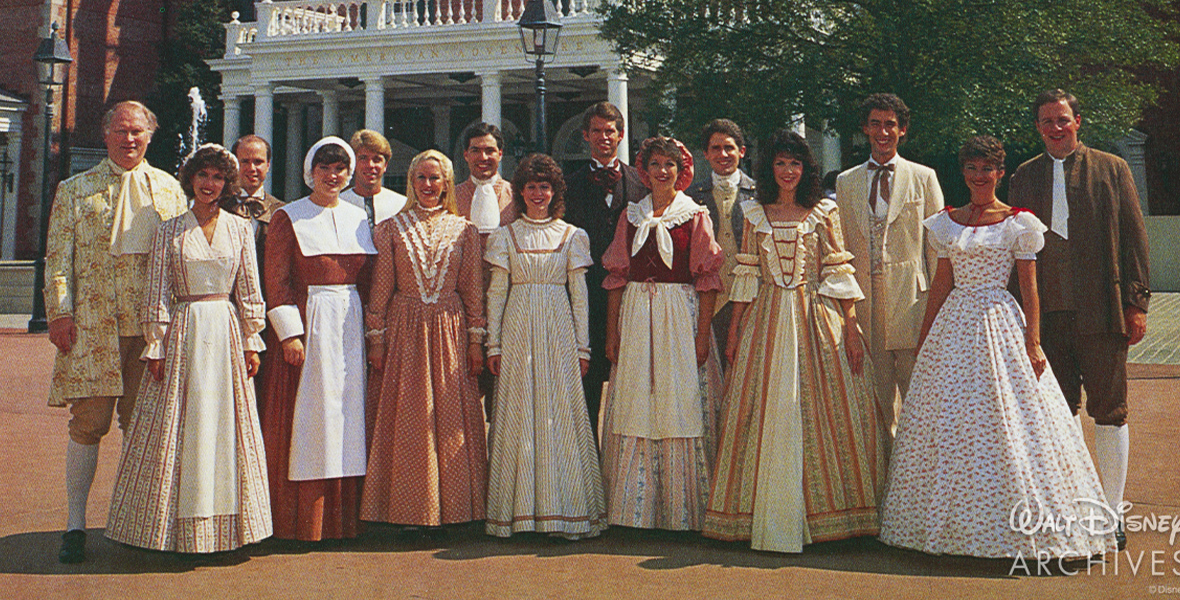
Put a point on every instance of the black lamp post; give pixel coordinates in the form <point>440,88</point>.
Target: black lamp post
<point>539,28</point>
<point>52,56</point>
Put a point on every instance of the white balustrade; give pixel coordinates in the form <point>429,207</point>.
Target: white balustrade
<point>285,18</point>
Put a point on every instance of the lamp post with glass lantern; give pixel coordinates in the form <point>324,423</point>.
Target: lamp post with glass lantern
<point>539,28</point>
<point>52,56</point>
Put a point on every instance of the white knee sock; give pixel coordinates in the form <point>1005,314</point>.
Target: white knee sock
<point>81,462</point>
<point>1078,418</point>
<point>1112,445</point>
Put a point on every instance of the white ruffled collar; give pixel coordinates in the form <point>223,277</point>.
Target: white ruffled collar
<point>640,214</point>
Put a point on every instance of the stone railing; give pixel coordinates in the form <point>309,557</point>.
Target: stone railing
<point>288,18</point>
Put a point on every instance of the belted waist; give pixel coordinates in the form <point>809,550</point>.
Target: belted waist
<point>202,298</point>
<point>340,289</point>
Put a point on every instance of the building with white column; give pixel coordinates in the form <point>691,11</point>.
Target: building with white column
<point>419,71</point>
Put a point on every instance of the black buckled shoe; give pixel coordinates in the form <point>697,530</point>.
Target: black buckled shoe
<point>73,547</point>
<point>1120,537</point>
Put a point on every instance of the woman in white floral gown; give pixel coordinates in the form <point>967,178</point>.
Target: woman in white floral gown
<point>988,461</point>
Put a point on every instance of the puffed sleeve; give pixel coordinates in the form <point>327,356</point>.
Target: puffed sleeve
<point>940,232</point>
<point>836,275</point>
<point>248,290</point>
<point>746,273</point>
<point>470,281</point>
<point>1026,235</point>
<point>579,260</point>
<point>59,253</point>
<point>281,248</point>
<point>705,255</point>
<point>617,259</point>
<point>383,282</point>
<point>497,255</point>
<point>158,303</point>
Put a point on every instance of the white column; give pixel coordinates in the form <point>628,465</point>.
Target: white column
<point>442,127</point>
<point>375,104</point>
<point>832,155</point>
<point>264,113</point>
<point>489,84</point>
<point>293,187</point>
<point>331,112</point>
<point>616,93</point>
<point>232,123</point>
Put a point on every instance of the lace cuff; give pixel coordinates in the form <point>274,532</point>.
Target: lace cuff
<point>839,283</point>
<point>253,343</point>
<point>494,351</point>
<point>475,335</point>
<point>153,336</point>
<point>745,279</point>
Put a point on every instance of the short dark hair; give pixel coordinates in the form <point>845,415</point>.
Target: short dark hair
<point>983,147</point>
<point>330,154</point>
<point>603,110</point>
<point>251,139</point>
<point>789,143</point>
<point>1053,97</point>
<point>882,101</point>
<point>661,145</point>
<point>725,127</point>
<point>539,167</point>
<point>480,130</point>
<point>217,158</point>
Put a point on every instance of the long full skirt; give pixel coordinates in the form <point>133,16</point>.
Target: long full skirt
<point>192,477</point>
<point>801,457</point>
<point>985,450</point>
<point>544,474</point>
<point>659,481</point>
<point>428,456</point>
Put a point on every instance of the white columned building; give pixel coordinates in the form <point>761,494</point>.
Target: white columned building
<point>616,93</point>
<point>232,123</point>
<point>417,70</point>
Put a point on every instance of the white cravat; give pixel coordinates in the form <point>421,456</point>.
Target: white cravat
<point>727,182</point>
<point>1060,205</point>
<point>485,204</point>
<point>642,216</point>
<point>136,219</point>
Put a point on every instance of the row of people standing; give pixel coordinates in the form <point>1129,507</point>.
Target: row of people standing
<point>661,267</point>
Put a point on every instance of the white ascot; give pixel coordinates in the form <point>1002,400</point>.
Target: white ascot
<point>485,204</point>
<point>135,219</point>
<point>1060,224</point>
<point>727,182</point>
<point>640,215</point>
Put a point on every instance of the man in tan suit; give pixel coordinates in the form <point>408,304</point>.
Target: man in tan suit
<point>882,205</point>
<point>486,200</point>
<point>1092,275</point>
<point>96,256</point>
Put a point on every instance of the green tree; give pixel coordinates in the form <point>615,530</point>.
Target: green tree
<point>195,34</point>
<point>963,66</point>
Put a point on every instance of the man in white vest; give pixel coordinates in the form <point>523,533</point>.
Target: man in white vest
<point>882,205</point>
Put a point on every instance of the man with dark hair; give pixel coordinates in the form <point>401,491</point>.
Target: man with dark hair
<point>1092,275</point>
<point>96,262</point>
<point>253,201</point>
<point>882,205</point>
<point>723,193</point>
<point>486,200</point>
<point>596,195</point>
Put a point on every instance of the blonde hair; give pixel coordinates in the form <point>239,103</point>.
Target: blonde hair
<point>448,170</point>
<point>372,141</point>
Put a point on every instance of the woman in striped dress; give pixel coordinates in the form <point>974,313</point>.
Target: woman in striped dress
<point>543,473</point>
<point>801,457</point>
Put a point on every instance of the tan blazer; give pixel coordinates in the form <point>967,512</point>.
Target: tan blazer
<point>909,261</point>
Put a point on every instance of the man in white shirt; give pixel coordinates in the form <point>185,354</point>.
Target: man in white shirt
<point>723,193</point>
<point>882,205</point>
<point>372,159</point>
<point>485,198</point>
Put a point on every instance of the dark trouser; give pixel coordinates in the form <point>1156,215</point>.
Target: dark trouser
<point>599,371</point>
<point>721,333</point>
<point>1096,361</point>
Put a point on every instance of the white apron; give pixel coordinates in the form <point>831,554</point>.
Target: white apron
<point>328,434</point>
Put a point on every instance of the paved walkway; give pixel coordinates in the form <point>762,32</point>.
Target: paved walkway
<point>622,563</point>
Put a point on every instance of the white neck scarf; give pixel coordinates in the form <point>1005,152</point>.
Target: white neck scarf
<point>136,218</point>
<point>1060,221</point>
<point>678,212</point>
<point>485,204</point>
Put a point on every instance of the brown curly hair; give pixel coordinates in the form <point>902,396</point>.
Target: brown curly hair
<point>210,156</point>
<point>983,147</point>
<point>539,167</point>
<point>664,146</point>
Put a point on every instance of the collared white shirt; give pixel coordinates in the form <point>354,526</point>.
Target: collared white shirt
<point>883,200</point>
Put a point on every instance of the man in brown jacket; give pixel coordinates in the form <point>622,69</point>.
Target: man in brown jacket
<point>1092,275</point>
